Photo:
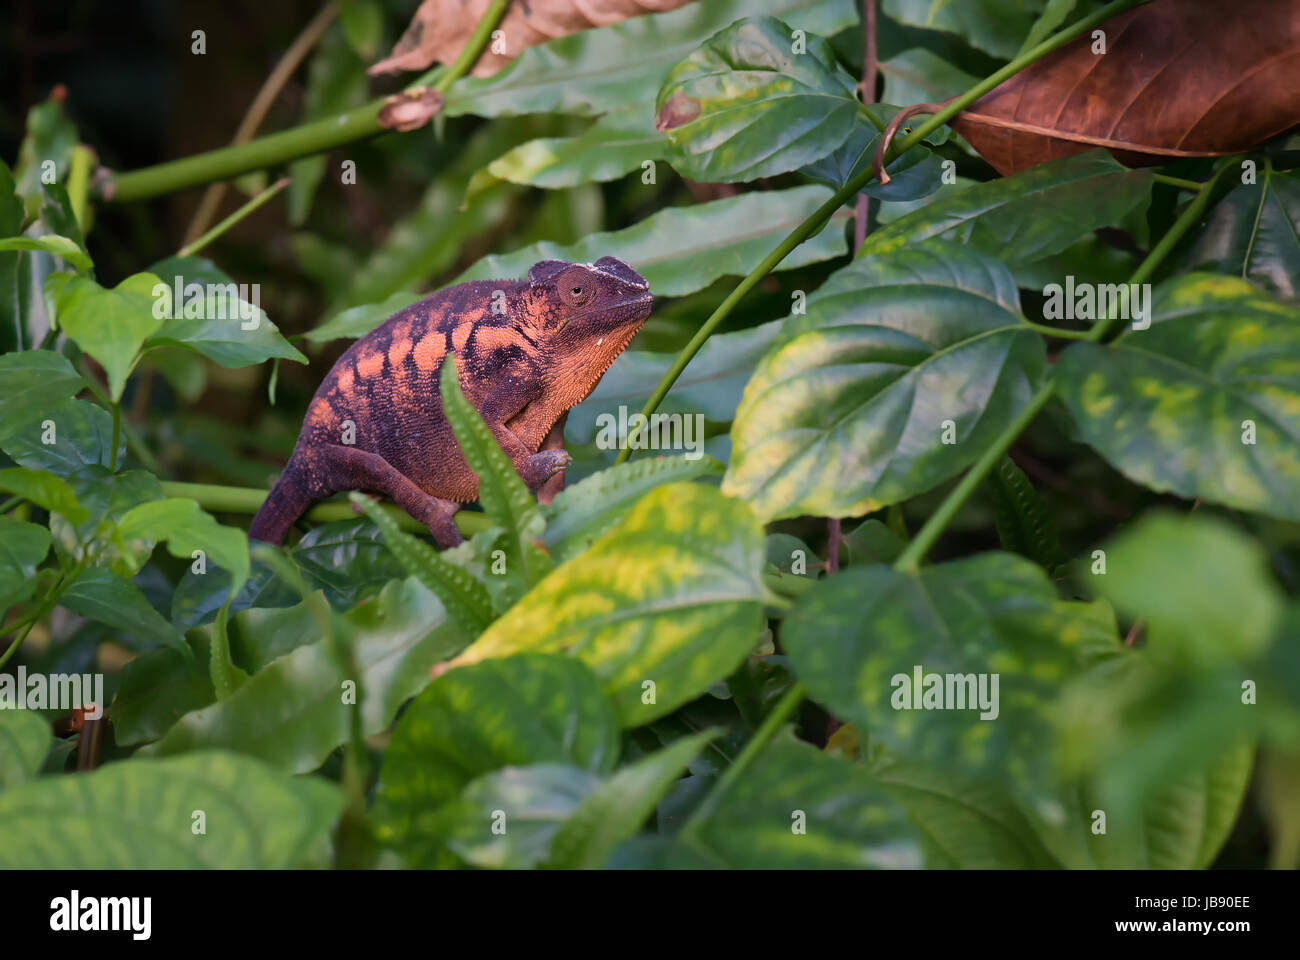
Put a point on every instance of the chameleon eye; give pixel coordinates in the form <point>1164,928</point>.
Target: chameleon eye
<point>575,290</point>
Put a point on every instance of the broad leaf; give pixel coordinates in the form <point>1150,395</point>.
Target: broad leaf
<point>755,101</point>
<point>1254,232</point>
<point>141,813</point>
<point>1025,217</point>
<point>797,808</point>
<point>1205,403</point>
<point>23,546</point>
<point>64,439</point>
<point>188,532</point>
<point>579,514</point>
<point>957,665</point>
<point>32,381</point>
<point>45,490</point>
<point>616,809</point>
<point>295,711</point>
<point>110,325</point>
<point>596,71</point>
<point>902,371</point>
<point>69,250</point>
<point>656,641</point>
<point>102,595</point>
<point>358,321</point>
<point>527,709</point>
<point>683,249</point>
<point>997,27</point>
<point>25,738</point>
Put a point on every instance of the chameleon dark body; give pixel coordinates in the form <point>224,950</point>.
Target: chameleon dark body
<point>526,351</point>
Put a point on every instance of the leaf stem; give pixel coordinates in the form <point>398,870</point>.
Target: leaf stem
<point>117,436</point>
<point>222,499</point>
<point>1056,331</point>
<point>198,244</point>
<point>319,136</point>
<point>1178,182</point>
<point>822,214</point>
<point>770,725</point>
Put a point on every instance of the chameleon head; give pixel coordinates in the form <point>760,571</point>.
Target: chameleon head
<point>593,300</point>
<point>595,310</point>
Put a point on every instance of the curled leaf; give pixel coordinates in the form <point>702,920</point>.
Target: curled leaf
<point>1171,78</point>
<point>440,29</point>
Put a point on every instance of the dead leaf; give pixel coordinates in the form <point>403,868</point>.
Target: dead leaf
<point>440,29</point>
<point>1179,78</point>
<point>410,109</point>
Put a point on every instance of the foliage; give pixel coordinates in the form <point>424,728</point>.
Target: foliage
<point>640,673</point>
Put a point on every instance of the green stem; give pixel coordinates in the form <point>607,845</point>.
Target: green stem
<point>192,248</point>
<point>10,504</point>
<point>117,436</point>
<point>46,605</point>
<point>1178,182</point>
<point>771,724</point>
<point>222,499</point>
<point>320,136</point>
<point>822,214</point>
<point>79,170</point>
<point>925,538</point>
<point>1056,331</point>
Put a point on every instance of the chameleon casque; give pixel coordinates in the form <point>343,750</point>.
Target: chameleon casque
<point>526,351</point>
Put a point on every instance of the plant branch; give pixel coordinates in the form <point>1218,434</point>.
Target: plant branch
<point>247,500</point>
<point>194,246</point>
<point>319,136</point>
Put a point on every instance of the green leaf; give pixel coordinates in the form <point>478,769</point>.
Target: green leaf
<point>186,529</point>
<point>507,819</point>
<point>916,174</point>
<point>501,491</point>
<point>33,380</point>
<point>1027,216</point>
<point>997,27</point>
<point>1055,13</point>
<point>1204,587</point>
<point>465,598</point>
<point>141,814</point>
<point>683,249</point>
<point>215,319</point>
<point>100,594</point>
<point>967,823</point>
<point>579,514</point>
<point>616,144</point>
<point>902,371</point>
<point>51,137</point>
<point>1205,403</point>
<point>596,71</point>
<point>25,739</point>
<point>111,325</point>
<point>81,435</point>
<point>1279,786</point>
<point>986,634</point>
<point>870,542</point>
<point>844,819</point>
<point>1254,232</point>
<point>526,709</point>
<point>672,595</point>
<point>159,687</point>
<point>1024,525</point>
<point>51,243</point>
<point>23,546</point>
<point>45,490</point>
<point>919,75</point>
<point>745,105</point>
<point>294,712</point>
<point>616,809</point>
<point>711,384</point>
<point>358,321</point>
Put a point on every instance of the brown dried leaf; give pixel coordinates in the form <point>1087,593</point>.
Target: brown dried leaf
<point>410,109</point>
<point>1180,78</point>
<point>440,28</point>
